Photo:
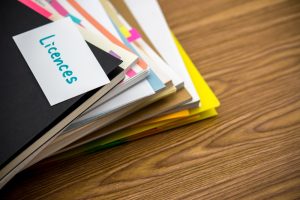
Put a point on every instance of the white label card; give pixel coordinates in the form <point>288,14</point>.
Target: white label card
<point>61,61</point>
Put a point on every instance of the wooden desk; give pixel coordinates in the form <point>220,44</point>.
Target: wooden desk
<point>249,52</point>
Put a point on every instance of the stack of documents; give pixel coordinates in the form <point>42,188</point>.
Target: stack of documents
<point>151,85</point>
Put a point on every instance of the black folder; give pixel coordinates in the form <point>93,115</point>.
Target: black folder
<point>25,114</point>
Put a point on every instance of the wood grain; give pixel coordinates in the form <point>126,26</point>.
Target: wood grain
<point>249,52</point>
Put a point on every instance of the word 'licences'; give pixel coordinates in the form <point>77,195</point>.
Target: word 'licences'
<point>55,55</point>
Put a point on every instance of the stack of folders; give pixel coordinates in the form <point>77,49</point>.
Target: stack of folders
<point>83,75</point>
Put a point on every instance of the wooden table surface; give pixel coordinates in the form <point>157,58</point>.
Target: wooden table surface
<point>249,52</point>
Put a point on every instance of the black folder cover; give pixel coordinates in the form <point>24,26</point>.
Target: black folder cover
<point>25,113</point>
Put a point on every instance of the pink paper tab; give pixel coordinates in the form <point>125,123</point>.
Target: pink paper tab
<point>61,10</point>
<point>134,35</point>
<point>36,8</point>
<point>130,73</point>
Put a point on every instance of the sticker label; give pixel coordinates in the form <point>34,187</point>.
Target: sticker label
<point>61,61</point>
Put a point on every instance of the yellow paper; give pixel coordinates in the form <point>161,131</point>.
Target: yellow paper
<point>124,31</point>
<point>174,124</point>
<point>207,97</point>
<point>180,114</point>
